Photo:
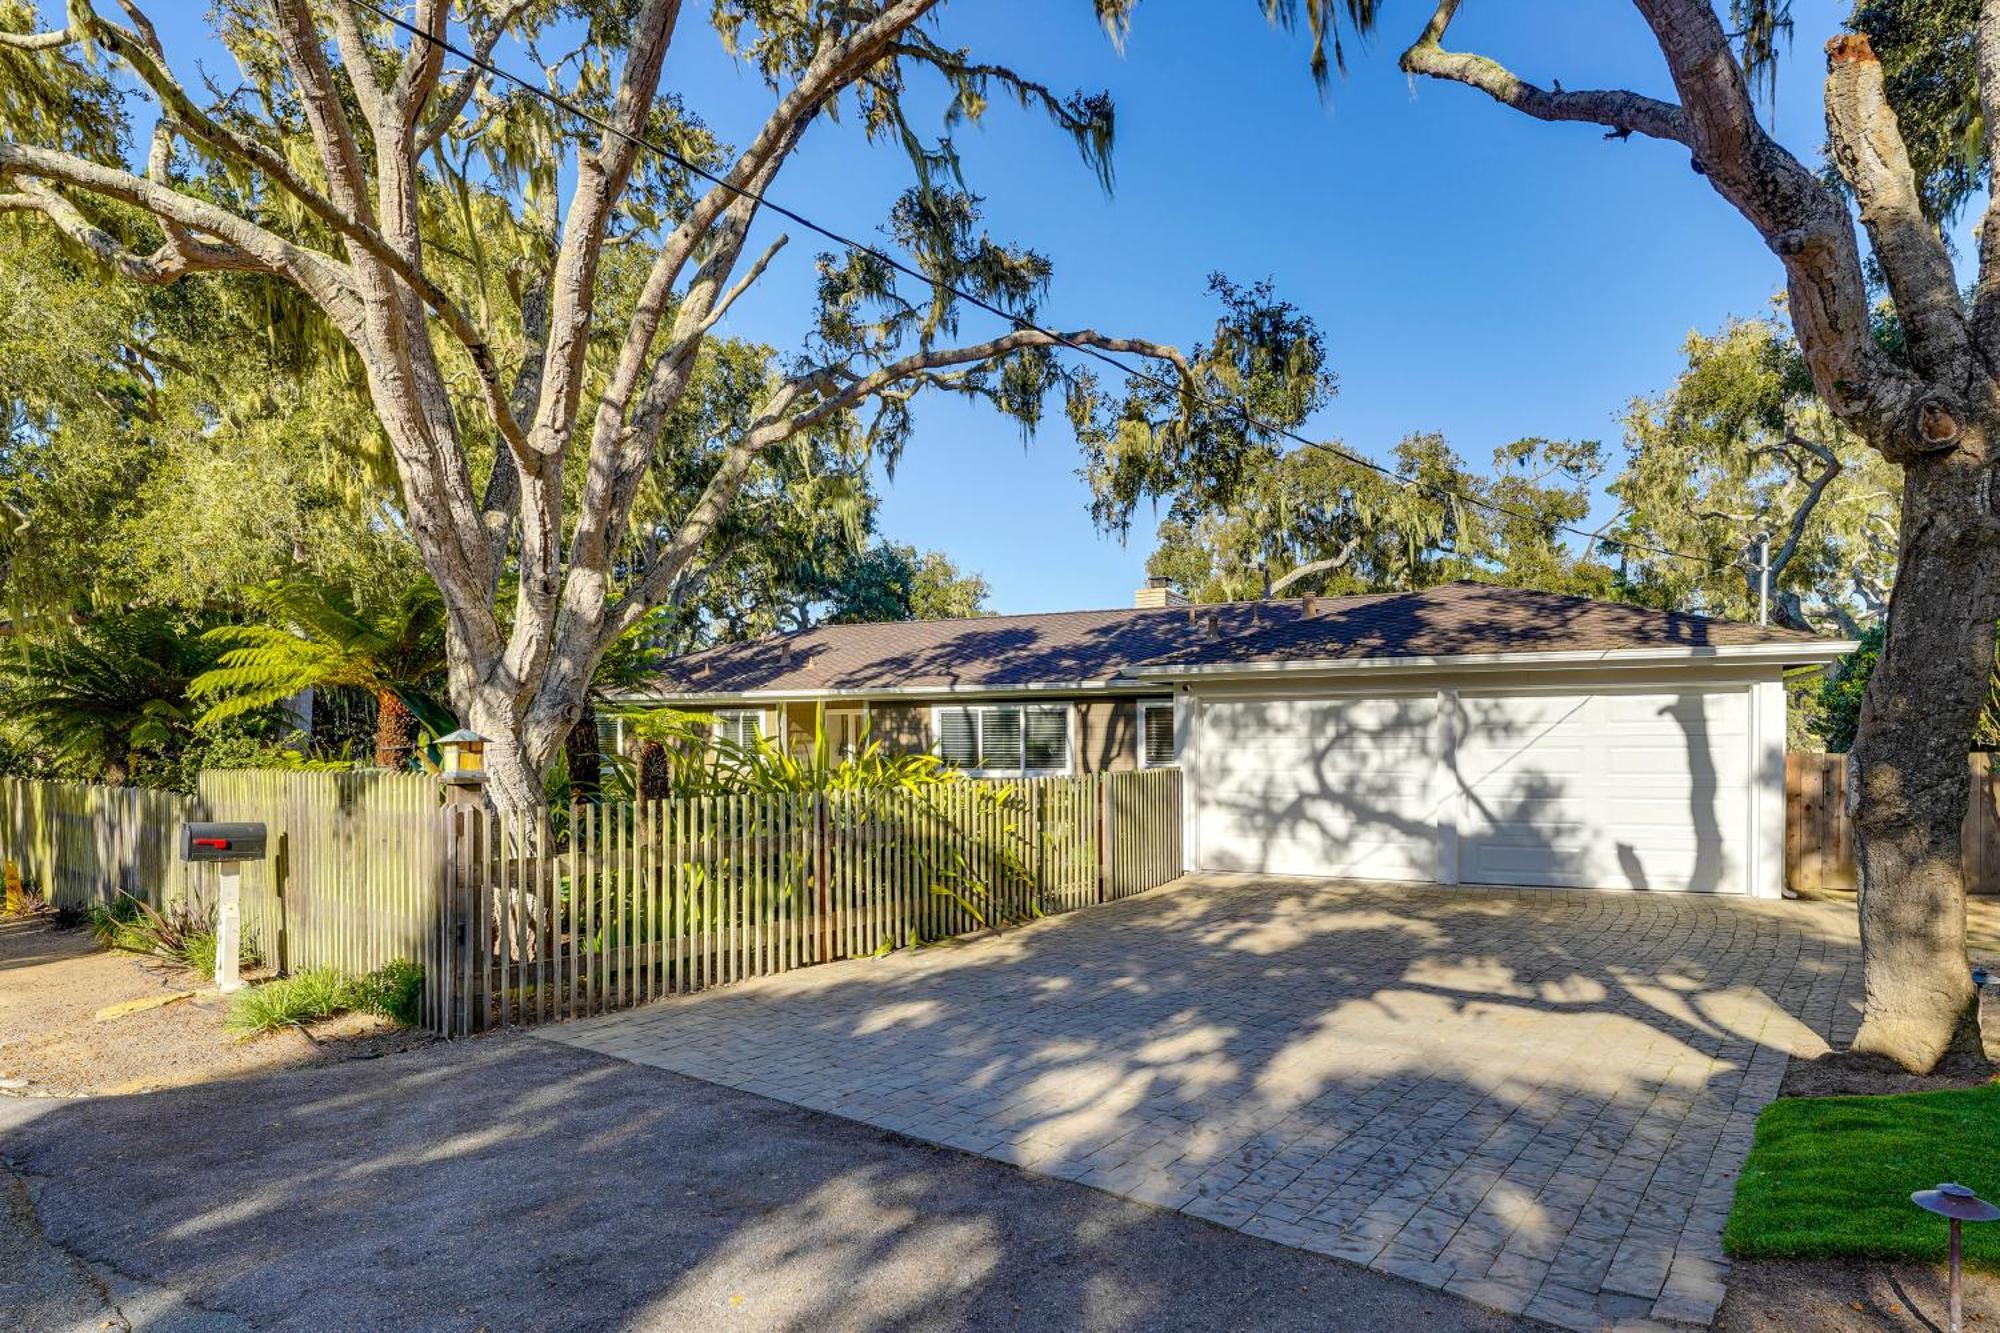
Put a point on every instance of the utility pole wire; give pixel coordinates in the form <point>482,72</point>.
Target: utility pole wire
<point>1015,321</point>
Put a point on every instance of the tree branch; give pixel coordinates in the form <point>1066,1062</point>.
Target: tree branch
<point>1623,113</point>
<point>1804,224</point>
<point>1986,295</point>
<point>1868,146</point>
<point>1313,567</point>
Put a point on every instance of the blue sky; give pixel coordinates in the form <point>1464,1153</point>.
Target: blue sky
<point>1475,273</point>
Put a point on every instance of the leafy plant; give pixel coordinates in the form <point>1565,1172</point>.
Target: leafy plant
<point>179,933</point>
<point>89,698</point>
<point>393,991</point>
<point>315,635</point>
<point>304,997</point>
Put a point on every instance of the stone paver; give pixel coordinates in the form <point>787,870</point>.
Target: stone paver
<point>1535,1099</point>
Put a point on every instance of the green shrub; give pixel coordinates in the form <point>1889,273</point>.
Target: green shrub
<point>319,993</point>
<point>198,952</point>
<point>304,997</point>
<point>395,991</point>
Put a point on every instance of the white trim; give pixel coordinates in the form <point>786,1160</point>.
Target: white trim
<point>1139,733</point>
<point>1816,652</point>
<point>1068,711</point>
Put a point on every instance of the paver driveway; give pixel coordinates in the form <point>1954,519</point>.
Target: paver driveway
<point>1537,1099</point>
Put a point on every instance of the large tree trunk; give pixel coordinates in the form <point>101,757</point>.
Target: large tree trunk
<point>394,729</point>
<point>1911,786</point>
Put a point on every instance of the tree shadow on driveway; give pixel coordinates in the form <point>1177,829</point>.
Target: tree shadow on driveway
<point>505,1183</point>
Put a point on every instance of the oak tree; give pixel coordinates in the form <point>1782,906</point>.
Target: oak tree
<point>1929,406</point>
<point>530,296</point>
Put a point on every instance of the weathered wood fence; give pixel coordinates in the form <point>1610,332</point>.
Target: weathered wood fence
<point>1819,836</point>
<point>80,844</point>
<point>640,901</point>
<point>516,920</point>
<point>351,879</point>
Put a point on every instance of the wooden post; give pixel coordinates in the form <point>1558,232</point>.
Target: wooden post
<point>228,926</point>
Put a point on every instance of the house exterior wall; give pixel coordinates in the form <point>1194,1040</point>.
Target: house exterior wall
<point>903,728</point>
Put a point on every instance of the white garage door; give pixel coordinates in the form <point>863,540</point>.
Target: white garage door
<point>1630,789</point>
<point>1320,787</point>
<point>1634,790</point>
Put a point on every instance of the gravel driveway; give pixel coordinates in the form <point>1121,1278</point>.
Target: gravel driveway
<point>508,1183</point>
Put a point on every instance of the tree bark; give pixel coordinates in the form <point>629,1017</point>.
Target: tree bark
<point>395,729</point>
<point>1910,788</point>
<point>586,766</point>
<point>655,779</point>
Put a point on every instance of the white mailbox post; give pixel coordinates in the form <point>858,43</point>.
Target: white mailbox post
<point>228,846</point>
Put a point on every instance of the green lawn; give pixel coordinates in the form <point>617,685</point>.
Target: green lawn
<point>1830,1177</point>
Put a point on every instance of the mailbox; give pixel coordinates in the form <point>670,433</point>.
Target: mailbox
<point>222,842</point>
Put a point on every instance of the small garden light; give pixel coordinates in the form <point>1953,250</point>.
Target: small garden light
<point>1959,1205</point>
<point>463,756</point>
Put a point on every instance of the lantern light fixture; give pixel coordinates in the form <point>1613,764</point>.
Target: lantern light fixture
<point>463,757</point>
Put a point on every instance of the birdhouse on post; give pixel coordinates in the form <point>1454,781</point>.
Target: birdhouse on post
<point>462,765</point>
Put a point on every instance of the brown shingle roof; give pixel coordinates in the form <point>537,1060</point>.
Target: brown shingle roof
<point>1079,647</point>
<point>1060,647</point>
<point>1474,619</point>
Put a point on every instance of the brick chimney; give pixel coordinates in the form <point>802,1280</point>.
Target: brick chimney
<point>1157,593</point>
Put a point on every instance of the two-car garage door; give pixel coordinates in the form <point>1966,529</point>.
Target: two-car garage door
<point>1625,788</point>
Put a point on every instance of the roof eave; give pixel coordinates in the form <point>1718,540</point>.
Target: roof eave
<point>779,694</point>
<point>1817,652</point>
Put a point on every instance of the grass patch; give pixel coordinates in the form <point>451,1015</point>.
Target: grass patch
<point>1831,1177</point>
<point>320,993</point>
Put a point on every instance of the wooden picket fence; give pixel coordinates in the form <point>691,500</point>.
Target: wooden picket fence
<point>81,845</point>
<point>637,901</point>
<point>1819,835</point>
<point>517,919</point>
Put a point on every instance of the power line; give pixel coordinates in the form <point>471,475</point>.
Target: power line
<point>1013,319</point>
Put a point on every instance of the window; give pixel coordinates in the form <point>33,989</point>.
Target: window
<point>1156,734</point>
<point>1000,739</point>
<point>739,727</point>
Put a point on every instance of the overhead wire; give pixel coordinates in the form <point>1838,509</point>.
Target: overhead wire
<point>1014,319</point>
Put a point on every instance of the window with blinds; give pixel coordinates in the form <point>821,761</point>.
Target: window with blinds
<point>739,727</point>
<point>1004,739</point>
<point>1156,735</point>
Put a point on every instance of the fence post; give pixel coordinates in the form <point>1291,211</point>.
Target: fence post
<point>1100,795</point>
<point>819,877</point>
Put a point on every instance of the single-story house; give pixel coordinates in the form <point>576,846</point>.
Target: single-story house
<point>1463,734</point>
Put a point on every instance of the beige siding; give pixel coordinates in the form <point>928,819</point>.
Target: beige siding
<point>902,728</point>
<point>1107,735</point>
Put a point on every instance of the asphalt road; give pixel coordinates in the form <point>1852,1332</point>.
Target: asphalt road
<point>510,1184</point>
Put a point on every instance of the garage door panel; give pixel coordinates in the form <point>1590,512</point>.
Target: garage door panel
<point>1642,790</point>
<point>1320,787</point>
<point>1646,789</point>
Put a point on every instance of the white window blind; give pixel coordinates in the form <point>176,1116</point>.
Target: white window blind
<point>958,737</point>
<point>1156,735</point>
<point>1000,739</point>
<point>1004,738</point>
<point>739,727</point>
<point>1047,740</point>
